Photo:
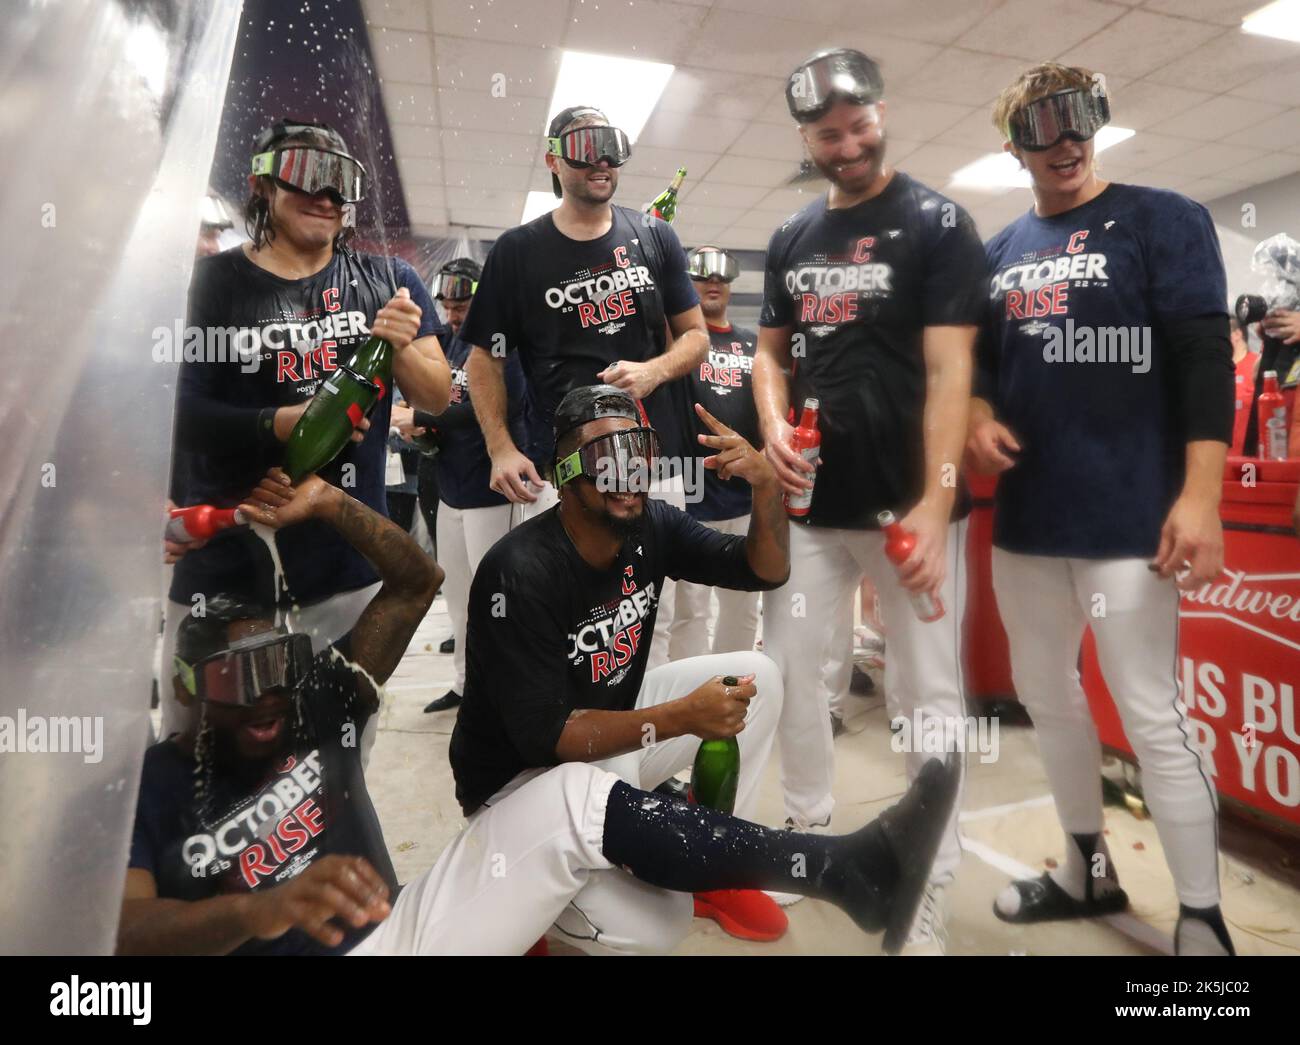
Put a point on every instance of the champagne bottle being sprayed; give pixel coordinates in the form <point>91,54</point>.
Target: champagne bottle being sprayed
<point>343,399</point>
<point>716,771</point>
<point>664,206</point>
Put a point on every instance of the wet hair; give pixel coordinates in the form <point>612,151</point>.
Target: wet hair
<point>1037,82</point>
<point>257,208</point>
<point>201,636</point>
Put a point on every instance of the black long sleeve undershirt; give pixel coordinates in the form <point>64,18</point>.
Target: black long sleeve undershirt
<point>1202,375</point>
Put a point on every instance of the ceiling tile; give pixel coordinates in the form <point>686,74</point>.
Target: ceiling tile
<point>1035,29</point>
<point>1146,149</point>
<point>535,23</point>
<point>1208,121</point>
<point>1226,62</point>
<point>411,139</point>
<point>936,163</point>
<point>424,196</point>
<point>749,170</point>
<point>769,141</point>
<point>1222,12</point>
<point>664,31</point>
<point>922,119</point>
<point>481,110</point>
<point>428,215</point>
<point>719,193</point>
<point>895,55</point>
<point>712,215</point>
<point>410,102</point>
<point>745,239</point>
<point>699,133</point>
<point>750,43</point>
<point>1207,160</point>
<point>787,201</point>
<point>976,131</point>
<point>488,218</point>
<point>419,170</point>
<point>1274,86</point>
<point>1264,168</point>
<point>396,14</point>
<point>940,21</point>
<point>651,161</point>
<point>824,12</point>
<point>716,92</point>
<point>402,55</point>
<point>1140,42</point>
<point>963,77</point>
<point>1272,133</point>
<point>462,173</point>
<point>485,199</point>
<point>480,146</point>
<point>1143,103</point>
<point>477,65</point>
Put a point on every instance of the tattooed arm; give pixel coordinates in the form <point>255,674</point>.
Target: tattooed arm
<point>410,578</point>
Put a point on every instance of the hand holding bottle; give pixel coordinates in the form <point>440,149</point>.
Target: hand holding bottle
<point>716,710</point>
<point>398,322</point>
<point>792,471</point>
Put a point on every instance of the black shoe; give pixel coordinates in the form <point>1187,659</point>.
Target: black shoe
<point>1042,900</point>
<point>861,682</point>
<point>837,725</point>
<point>674,788</point>
<point>448,646</point>
<point>449,700</point>
<point>914,828</point>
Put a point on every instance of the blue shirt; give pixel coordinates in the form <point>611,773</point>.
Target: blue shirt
<point>1076,364</point>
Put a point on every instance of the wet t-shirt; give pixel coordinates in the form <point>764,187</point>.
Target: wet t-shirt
<point>571,307</point>
<point>723,385</point>
<point>255,834</point>
<point>548,634</point>
<point>1079,368</point>
<point>859,285</point>
<point>297,331</point>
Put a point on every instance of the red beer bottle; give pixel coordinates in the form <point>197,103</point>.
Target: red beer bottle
<point>807,443</point>
<point>1272,420</point>
<point>199,522</point>
<point>898,546</point>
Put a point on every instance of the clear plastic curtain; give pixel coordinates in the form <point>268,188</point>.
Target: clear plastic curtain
<point>109,124</point>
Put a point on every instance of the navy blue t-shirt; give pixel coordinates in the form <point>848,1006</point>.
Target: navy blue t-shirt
<point>300,330</point>
<point>571,307</point>
<point>859,285</point>
<point>464,467</point>
<point>723,385</point>
<point>1076,364</point>
<point>258,833</point>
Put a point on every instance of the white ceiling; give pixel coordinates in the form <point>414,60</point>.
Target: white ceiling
<point>1216,110</point>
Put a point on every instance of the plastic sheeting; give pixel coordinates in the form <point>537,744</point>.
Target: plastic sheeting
<point>106,140</point>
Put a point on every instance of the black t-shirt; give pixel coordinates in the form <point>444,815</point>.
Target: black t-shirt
<point>1102,446</point>
<point>723,385</point>
<point>548,633</point>
<point>298,331</point>
<point>258,834</point>
<point>464,467</point>
<point>859,285</point>
<point>572,307</point>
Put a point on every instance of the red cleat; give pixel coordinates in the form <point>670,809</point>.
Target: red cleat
<point>539,949</point>
<point>747,914</point>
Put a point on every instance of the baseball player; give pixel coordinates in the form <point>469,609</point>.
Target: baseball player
<point>255,833</point>
<point>722,385</point>
<point>875,290</point>
<point>1106,402</point>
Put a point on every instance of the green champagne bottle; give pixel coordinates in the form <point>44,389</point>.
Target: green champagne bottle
<point>348,395</point>
<point>340,403</point>
<point>664,206</point>
<point>717,770</point>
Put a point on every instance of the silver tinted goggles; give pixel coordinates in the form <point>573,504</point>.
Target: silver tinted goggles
<point>707,263</point>
<point>836,74</point>
<point>620,462</point>
<point>237,676</point>
<point>1078,114</point>
<point>312,170</point>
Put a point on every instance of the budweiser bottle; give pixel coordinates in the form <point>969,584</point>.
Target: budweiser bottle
<point>807,443</point>
<point>1272,420</point>
<point>898,546</point>
<point>200,522</point>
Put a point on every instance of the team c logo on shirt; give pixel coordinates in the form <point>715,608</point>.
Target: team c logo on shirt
<point>727,369</point>
<point>603,293</point>
<point>610,641</point>
<point>1041,288</point>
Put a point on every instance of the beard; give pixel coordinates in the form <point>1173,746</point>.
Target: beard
<point>623,527</point>
<point>583,190</point>
<point>874,156</point>
<point>712,309</point>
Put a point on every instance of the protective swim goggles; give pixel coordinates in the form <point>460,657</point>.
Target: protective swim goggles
<point>708,262</point>
<point>452,286</point>
<point>841,73</point>
<point>239,675</point>
<point>1078,114</point>
<point>587,146</point>
<point>313,170</point>
<point>620,462</point>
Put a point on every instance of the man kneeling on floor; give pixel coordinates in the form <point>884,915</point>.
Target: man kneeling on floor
<point>255,833</point>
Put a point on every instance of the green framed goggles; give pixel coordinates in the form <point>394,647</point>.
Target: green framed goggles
<point>620,462</point>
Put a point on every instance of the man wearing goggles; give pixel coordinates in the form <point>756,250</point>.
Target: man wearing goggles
<point>1111,473</point>
<point>882,282</point>
<point>591,292</point>
<point>467,515</point>
<point>257,816</point>
<point>722,385</point>
<point>302,302</point>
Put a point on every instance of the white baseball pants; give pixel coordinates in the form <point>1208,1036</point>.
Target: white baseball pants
<point>464,537</point>
<point>735,625</point>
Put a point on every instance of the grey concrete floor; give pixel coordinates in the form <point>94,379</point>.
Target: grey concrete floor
<point>1008,826</point>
